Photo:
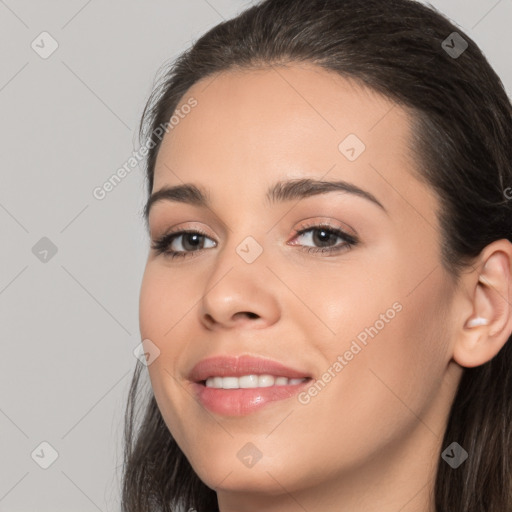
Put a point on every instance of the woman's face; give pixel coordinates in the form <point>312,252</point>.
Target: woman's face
<point>368,323</point>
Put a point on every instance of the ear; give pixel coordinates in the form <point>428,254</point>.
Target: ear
<point>486,322</point>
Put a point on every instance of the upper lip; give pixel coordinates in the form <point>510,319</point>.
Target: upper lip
<point>236,366</point>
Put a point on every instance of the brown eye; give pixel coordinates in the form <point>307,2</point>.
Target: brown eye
<point>324,237</point>
<point>184,243</point>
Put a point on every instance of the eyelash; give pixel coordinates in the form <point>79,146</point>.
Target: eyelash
<point>161,245</point>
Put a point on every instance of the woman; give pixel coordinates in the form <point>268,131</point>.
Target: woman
<point>326,304</point>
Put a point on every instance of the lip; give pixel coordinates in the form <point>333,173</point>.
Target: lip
<point>236,366</point>
<point>240,402</point>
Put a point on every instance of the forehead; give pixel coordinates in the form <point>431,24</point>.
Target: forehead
<point>253,127</point>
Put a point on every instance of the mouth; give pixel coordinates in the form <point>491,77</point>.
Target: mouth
<point>237,386</point>
<point>241,401</point>
<point>251,381</point>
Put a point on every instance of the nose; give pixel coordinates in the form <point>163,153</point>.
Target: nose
<point>239,298</point>
<point>238,319</point>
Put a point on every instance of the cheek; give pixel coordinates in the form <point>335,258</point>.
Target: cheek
<point>393,342</point>
<point>406,359</point>
<point>164,300</point>
<point>344,302</point>
<point>159,315</point>
<point>151,304</point>
<point>164,309</point>
<point>167,308</point>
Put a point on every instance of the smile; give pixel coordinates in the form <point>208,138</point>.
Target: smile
<point>250,381</point>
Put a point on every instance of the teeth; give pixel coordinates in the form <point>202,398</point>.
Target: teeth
<point>265,381</point>
<point>247,381</point>
<point>230,383</point>
<point>250,381</point>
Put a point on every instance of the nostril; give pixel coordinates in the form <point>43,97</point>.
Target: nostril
<point>248,314</point>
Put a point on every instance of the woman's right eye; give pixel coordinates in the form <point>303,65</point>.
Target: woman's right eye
<point>190,238</point>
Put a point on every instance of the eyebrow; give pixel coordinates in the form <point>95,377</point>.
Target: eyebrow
<point>279,192</point>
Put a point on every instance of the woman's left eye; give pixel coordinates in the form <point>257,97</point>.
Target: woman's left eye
<point>324,236</point>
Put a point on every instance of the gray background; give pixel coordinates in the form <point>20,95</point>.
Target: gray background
<point>69,324</point>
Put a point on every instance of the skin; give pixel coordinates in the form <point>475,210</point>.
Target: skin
<point>371,439</point>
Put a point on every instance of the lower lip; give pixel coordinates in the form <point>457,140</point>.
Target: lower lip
<point>240,402</point>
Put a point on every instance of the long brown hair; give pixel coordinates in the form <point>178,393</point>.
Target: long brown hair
<point>463,143</point>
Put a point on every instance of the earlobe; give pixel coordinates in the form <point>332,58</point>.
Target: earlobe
<point>476,321</point>
<point>489,324</point>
